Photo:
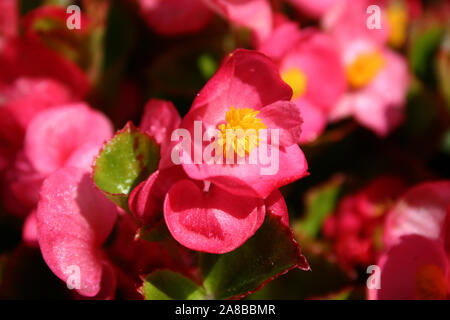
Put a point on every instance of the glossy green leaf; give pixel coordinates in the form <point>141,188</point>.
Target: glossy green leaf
<point>325,279</point>
<point>125,161</point>
<point>169,285</point>
<point>271,252</point>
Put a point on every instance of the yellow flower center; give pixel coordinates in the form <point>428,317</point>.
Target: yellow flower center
<point>398,20</point>
<point>431,283</point>
<point>364,68</point>
<point>297,80</point>
<point>241,131</point>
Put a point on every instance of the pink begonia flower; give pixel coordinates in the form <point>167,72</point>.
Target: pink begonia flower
<point>416,262</point>
<point>74,219</point>
<point>255,15</point>
<point>246,92</point>
<point>311,60</point>
<point>315,9</point>
<point>69,135</point>
<point>377,77</point>
<point>175,17</point>
<point>199,214</point>
<point>354,227</point>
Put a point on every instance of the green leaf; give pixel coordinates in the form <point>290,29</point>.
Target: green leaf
<point>169,285</point>
<point>423,51</point>
<point>207,65</point>
<point>125,161</point>
<point>320,203</point>
<point>271,252</point>
<point>326,278</point>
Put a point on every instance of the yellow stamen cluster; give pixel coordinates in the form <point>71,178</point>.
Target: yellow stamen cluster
<point>297,80</point>
<point>240,131</point>
<point>364,68</point>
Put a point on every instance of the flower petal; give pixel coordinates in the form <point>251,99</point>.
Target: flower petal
<point>401,265</point>
<point>55,134</point>
<point>421,210</point>
<point>215,221</point>
<point>74,218</point>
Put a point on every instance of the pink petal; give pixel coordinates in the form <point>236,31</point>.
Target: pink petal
<point>21,187</point>
<point>421,210</point>
<point>400,265</point>
<point>281,40</point>
<point>246,79</point>
<point>254,180</point>
<point>387,93</point>
<point>285,117</point>
<point>29,230</point>
<point>146,200</point>
<point>175,17</point>
<point>26,97</point>
<point>74,218</point>
<point>253,14</point>
<point>160,119</point>
<point>316,55</point>
<point>276,205</point>
<point>314,121</point>
<point>213,221</point>
<point>56,134</point>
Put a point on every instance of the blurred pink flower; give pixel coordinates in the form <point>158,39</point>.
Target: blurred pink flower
<point>67,135</point>
<point>355,227</point>
<point>255,15</point>
<point>175,17</point>
<point>310,62</point>
<point>377,77</point>
<point>20,101</point>
<point>415,264</point>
